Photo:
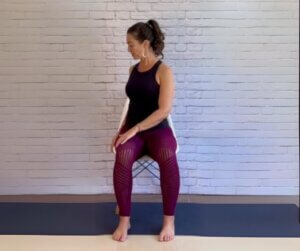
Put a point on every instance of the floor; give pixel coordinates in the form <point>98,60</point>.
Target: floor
<point>146,242</point>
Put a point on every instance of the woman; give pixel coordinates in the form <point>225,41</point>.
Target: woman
<point>150,89</point>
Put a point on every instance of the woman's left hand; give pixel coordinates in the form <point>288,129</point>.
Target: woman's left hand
<point>126,136</point>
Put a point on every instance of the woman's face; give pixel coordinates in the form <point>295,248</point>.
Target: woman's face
<point>135,47</point>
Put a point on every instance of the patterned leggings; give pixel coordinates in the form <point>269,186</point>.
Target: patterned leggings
<point>160,145</point>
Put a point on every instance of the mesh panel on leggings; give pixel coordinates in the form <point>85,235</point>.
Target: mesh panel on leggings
<point>123,179</point>
<point>169,175</point>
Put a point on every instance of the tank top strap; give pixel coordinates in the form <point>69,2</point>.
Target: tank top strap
<point>155,67</point>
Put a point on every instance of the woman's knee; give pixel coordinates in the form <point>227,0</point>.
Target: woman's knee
<point>166,153</point>
<point>127,153</point>
<point>124,155</point>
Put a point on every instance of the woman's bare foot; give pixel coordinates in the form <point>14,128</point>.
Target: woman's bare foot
<point>120,233</point>
<point>168,230</point>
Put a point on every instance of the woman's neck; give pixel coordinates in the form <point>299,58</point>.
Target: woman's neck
<point>145,63</point>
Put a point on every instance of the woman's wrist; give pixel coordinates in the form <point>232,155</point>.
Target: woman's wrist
<point>138,127</point>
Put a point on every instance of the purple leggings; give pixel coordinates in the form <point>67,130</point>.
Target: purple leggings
<point>160,145</point>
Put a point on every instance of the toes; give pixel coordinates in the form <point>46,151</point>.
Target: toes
<point>161,237</point>
<point>165,237</point>
<point>117,237</point>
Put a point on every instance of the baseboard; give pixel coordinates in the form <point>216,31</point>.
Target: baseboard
<point>189,198</point>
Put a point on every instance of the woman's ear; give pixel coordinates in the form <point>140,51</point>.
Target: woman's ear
<point>146,43</point>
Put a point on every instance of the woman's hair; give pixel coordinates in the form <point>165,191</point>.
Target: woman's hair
<point>150,31</point>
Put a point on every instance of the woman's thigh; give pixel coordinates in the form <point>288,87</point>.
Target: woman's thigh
<point>160,142</point>
<point>132,149</point>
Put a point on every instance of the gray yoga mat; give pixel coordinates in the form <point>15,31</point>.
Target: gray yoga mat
<point>231,220</point>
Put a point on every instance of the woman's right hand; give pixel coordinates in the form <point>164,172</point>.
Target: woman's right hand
<point>114,139</point>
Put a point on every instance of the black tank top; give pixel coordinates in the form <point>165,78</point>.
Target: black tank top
<point>143,92</point>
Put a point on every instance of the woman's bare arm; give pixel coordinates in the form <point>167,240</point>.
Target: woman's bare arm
<point>166,95</point>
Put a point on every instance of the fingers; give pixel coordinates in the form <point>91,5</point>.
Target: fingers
<point>112,145</point>
<point>112,148</point>
<point>120,141</point>
<point>122,138</point>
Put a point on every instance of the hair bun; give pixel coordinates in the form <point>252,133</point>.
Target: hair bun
<point>151,27</point>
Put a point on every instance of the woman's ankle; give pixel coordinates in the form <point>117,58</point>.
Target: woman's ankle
<point>168,219</point>
<point>124,218</point>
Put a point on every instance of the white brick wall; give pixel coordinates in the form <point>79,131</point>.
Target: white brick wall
<point>63,69</point>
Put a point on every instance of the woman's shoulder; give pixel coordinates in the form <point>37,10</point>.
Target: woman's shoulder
<point>163,68</point>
